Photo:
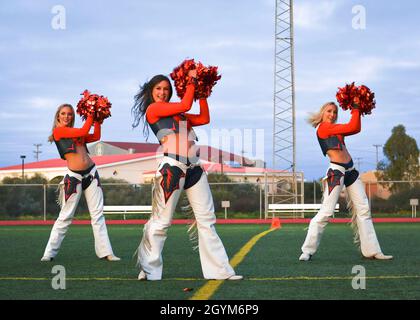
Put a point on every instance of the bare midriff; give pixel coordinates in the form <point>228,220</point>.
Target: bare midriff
<point>179,145</point>
<point>79,160</point>
<point>341,156</point>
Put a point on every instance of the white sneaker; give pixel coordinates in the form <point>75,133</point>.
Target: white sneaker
<point>235,277</point>
<point>44,259</point>
<point>142,276</point>
<point>111,257</point>
<point>381,256</point>
<point>305,257</point>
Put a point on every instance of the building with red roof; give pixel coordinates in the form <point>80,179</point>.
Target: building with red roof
<point>207,153</point>
<point>137,163</point>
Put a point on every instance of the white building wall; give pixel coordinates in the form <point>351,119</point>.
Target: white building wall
<point>129,171</point>
<point>99,149</point>
<point>48,173</point>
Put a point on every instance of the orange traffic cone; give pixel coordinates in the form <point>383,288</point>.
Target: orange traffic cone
<point>275,223</point>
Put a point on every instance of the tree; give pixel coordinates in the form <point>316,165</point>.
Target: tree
<point>26,198</point>
<point>20,197</point>
<point>219,192</point>
<point>402,156</point>
<point>243,197</point>
<point>216,177</point>
<point>121,192</point>
<point>312,189</point>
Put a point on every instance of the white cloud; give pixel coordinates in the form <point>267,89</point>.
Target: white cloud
<point>43,103</point>
<point>240,43</point>
<point>314,14</point>
<point>163,34</point>
<point>361,70</point>
<point>14,116</point>
<point>28,131</point>
<point>41,65</point>
<point>404,64</point>
<point>410,90</point>
<point>122,87</point>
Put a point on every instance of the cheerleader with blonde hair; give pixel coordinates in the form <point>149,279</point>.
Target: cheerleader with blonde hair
<point>340,173</point>
<point>81,177</point>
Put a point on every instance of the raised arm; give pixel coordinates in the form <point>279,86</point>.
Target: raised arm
<point>354,126</point>
<point>165,109</point>
<point>203,117</point>
<point>96,133</point>
<point>66,132</point>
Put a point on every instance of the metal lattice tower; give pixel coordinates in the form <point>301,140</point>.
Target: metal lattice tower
<point>284,136</point>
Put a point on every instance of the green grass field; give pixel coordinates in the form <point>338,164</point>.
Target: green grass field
<point>271,268</point>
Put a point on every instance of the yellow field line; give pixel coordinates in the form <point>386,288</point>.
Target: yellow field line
<point>237,259</point>
<point>216,281</point>
<point>21,229</point>
<point>334,278</point>
<point>206,291</point>
<point>67,278</point>
<point>92,279</point>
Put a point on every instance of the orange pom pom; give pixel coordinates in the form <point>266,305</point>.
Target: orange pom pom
<point>207,78</point>
<point>351,95</point>
<point>93,104</point>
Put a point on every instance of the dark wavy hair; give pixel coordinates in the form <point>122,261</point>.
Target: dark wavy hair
<point>143,99</point>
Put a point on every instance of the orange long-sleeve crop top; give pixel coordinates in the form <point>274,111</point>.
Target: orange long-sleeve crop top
<point>66,138</point>
<point>331,136</point>
<point>164,117</point>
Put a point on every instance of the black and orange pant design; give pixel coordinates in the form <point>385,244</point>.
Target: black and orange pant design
<point>172,177</point>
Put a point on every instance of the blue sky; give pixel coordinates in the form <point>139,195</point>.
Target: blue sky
<point>110,47</point>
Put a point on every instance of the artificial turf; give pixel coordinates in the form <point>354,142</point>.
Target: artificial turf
<point>271,269</point>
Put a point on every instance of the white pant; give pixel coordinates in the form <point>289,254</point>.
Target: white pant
<point>94,199</point>
<point>213,257</point>
<point>365,232</point>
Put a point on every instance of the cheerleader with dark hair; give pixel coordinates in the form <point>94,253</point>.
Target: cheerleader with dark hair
<point>179,170</point>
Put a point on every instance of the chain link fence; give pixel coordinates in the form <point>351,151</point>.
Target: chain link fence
<point>245,200</point>
<point>386,198</point>
<point>39,201</point>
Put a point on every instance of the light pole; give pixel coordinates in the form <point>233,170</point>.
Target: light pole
<point>37,152</point>
<point>221,161</point>
<point>377,158</point>
<point>23,166</point>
